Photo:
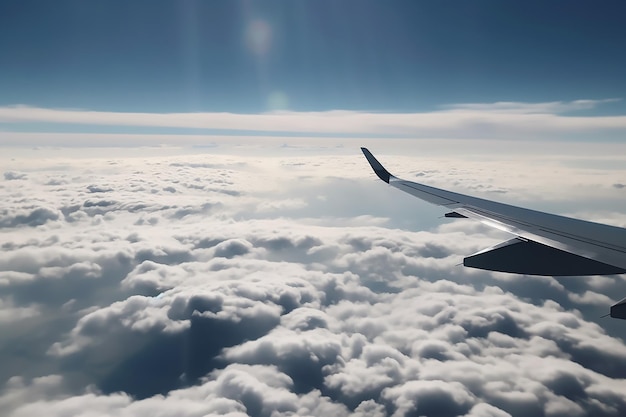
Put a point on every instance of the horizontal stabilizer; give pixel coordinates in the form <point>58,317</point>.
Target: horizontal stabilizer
<point>531,258</point>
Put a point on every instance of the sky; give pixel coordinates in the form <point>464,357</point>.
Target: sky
<point>251,57</point>
<point>201,59</point>
<point>188,227</point>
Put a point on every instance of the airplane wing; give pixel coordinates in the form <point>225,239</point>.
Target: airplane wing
<point>544,244</point>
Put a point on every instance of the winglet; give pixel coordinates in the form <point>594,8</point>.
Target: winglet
<point>380,170</point>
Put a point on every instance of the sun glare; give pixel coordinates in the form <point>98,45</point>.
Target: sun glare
<point>259,36</point>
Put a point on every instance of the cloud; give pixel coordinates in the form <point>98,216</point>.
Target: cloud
<point>10,175</point>
<point>35,216</point>
<point>95,189</point>
<point>429,398</point>
<point>138,301</point>
<point>511,120</point>
<point>554,107</point>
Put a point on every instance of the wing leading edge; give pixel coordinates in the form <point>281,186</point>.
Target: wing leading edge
<point>545,244</point>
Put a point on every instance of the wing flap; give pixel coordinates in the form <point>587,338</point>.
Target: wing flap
<point>527,257</point>
<point>618,311</point>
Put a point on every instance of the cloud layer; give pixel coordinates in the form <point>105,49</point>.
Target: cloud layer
<point>510,120</point>
<point>220,285</point>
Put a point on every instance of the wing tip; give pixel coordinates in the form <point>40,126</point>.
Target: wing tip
<point>378,168</point>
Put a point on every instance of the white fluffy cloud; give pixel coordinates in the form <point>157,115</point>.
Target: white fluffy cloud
<point>219,285</point>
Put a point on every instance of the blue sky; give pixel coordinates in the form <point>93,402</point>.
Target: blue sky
<point>250,57</point>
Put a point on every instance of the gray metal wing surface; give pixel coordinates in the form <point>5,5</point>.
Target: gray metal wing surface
<point>544,244</point>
